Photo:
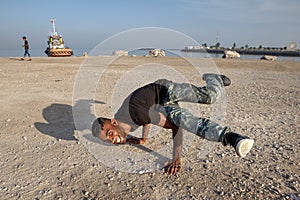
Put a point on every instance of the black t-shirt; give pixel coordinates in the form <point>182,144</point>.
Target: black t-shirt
<point>26,45</point>
<point>141,106</point>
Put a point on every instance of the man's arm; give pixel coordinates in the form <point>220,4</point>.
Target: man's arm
<point>146,129</point>
<point>177,143</point>
<point>175,165</point>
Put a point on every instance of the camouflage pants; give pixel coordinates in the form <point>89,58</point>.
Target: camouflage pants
<point>185,92</point>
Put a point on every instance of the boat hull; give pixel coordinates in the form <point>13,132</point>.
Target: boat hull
<point>59,52</point>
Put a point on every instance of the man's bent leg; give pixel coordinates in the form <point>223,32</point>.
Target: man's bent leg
<point>208,129</point>
<point>186,92</point>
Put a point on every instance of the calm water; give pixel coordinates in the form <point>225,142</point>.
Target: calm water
<point>79,52</point>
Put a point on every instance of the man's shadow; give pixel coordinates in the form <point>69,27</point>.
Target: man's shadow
<point>60,120</point>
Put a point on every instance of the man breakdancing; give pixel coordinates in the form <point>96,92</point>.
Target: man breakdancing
<point>157,103</point>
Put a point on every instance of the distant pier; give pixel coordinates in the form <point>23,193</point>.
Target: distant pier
<point>295,53</point>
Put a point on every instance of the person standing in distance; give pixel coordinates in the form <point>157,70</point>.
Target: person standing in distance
<point>26,47</point>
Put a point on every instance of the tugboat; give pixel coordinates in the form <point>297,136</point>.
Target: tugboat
<point>56,45</point>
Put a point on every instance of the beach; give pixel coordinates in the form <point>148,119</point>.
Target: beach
<point>42,157</point>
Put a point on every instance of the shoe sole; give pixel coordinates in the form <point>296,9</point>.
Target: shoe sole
<point>243,147</point>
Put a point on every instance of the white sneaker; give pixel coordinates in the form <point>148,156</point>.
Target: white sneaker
<point>243,147</point>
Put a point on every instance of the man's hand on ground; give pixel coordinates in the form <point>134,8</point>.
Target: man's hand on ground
<point>136,140</point>
<point>173,167</point>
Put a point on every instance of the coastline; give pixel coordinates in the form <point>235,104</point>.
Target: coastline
<point>248,52</point>
<point>138,57</point>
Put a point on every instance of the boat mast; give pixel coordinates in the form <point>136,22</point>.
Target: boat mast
<point>54,33</point>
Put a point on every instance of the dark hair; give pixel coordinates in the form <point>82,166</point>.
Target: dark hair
<point>97,125</point>
<point>24,37</point>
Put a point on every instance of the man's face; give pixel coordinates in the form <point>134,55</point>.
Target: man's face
<point>112,132</point>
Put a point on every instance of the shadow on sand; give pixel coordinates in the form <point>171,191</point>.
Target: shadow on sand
<point>19,59</point>
<point>60,122</point>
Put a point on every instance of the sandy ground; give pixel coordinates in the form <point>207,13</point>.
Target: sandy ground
<point>42,159</point>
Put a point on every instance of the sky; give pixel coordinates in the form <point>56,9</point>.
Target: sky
<point>84,24</point>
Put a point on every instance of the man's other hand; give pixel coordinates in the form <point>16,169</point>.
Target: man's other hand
<point>136,140</point>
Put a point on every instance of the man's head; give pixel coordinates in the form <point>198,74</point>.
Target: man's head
<point>24,38</point>
<point>108,130</point>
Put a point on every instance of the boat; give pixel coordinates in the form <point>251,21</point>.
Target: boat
<point>56,45</point>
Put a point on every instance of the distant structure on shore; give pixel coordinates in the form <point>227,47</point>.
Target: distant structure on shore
<point>231,54</point>
<point>289,50</point>
<point>56,45</point>
<point>157,53</point>
<point>292,47</point>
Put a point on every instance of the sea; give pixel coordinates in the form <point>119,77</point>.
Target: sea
<point>139,52</point>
